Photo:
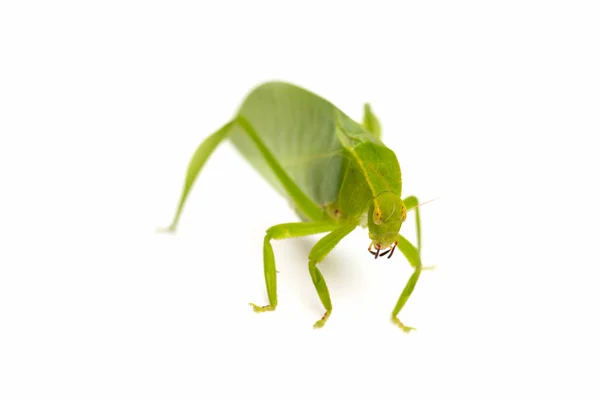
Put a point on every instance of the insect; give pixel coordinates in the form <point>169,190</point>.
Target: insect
<point>336,172</point>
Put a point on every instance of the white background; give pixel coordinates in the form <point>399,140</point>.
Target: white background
<point>491,107</point>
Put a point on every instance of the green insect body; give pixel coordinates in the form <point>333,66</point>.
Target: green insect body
<point>336,173</point>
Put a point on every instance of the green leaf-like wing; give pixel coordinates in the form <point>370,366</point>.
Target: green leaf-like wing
<point>299,129</point>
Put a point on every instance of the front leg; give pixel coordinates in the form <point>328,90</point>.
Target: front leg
<point>413,255</point>
<point>411,203</point>
<point>285,231</point>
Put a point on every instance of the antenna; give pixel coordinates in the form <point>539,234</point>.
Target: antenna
<point>425,202</point>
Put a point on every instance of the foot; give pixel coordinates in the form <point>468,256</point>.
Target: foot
<point>262,308</point>
<point>168,229</point>
<point>405,328</point>
<point>321,322</point>
<point>429,268</point>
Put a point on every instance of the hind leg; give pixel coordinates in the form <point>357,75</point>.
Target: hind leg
<point>195,166</point>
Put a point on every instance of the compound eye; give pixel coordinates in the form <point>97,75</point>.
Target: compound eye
<point>377,216</point>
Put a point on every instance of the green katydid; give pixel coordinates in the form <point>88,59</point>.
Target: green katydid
<point>336,173</point>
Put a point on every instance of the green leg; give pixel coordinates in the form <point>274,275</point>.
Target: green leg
<point>195,166</point>
<point>412,203</point>
<point>317,254</point>
<point>285,231</point>
<point>412,255</point>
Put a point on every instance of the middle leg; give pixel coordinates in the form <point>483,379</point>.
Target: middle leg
<point>317,254</point>
<point>285,231</point>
